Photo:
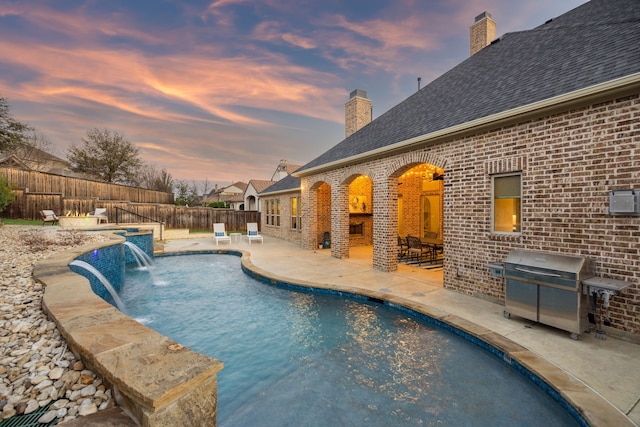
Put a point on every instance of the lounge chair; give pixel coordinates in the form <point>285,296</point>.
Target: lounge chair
<point>220,234</point>
<point>49,216</point>
<point>252,232</point>
<point>101,213</point>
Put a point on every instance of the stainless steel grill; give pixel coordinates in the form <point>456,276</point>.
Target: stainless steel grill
<point>547,288</point>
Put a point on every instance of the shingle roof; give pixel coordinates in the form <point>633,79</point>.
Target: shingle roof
<point>593,43</point>
<point>287,183</point>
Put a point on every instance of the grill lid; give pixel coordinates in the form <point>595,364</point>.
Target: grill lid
<point>546,261</point>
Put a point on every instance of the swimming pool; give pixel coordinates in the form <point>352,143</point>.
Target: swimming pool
<point>295,358</point>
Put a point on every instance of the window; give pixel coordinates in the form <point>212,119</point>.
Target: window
<point>296,213</point>
<point>507,194</point>
<point>273,212</point>
<point>267,205</point>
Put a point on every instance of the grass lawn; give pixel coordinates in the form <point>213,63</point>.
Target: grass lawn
<point>19,222</point>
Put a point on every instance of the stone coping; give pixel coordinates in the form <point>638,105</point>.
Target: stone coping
<point>155,380</point>
<point>158,381</point>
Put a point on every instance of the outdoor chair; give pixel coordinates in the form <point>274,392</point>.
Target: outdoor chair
<point>220,234</point>
<point>252,232</point>
<point>101,213</point>
<point>49,216</point>
<point>403,249</point>
<point>417,249</point>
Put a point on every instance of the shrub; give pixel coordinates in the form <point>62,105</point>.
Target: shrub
<point>217,205</point>
<point>35,241</point>
<point>6,195</point>
<point>38,241</point>
<point>72,237</point>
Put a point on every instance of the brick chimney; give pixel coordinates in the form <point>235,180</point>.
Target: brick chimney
<point>483,32</point>
<point>357,112</point>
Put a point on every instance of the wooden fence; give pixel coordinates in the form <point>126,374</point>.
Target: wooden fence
<point>193,218</point>
<point>39,182</point>
<point>36,191</point>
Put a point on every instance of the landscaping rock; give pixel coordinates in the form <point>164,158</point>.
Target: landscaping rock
<point>36,366</point>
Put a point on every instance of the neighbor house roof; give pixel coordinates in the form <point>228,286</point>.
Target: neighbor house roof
<point>13,161</point>
<point>260,185</point>
<point>578,53</point>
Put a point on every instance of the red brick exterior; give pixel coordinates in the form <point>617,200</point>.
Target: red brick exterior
<point>569,162</point>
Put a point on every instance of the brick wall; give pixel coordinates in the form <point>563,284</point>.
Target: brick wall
<point>357,112</point>
<point>481,33</point>
<point>284,230</point>
<point>569,163</point>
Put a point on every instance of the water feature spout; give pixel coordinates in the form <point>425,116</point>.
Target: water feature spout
<point>140,256</point>
<point>105,282</point>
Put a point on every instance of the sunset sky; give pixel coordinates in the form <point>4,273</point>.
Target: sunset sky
<point>222,90</point>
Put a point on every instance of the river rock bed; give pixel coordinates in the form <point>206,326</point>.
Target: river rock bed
<point>36,366</point>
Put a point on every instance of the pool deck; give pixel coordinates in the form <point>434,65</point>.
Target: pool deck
<point>609,368</point>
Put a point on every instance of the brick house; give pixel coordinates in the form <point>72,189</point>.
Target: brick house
<point>253,192</point>
<point>519,146</point>
<point>281,209</point>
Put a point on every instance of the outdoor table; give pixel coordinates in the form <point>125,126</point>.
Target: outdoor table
<point>434,244</point>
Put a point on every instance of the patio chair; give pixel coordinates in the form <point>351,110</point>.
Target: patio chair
<point>101,213</point>
<point>220,234</point>
<point>417,249</point>
<point>49,216</point>
<point>252,232</point>
<point>403,249</point>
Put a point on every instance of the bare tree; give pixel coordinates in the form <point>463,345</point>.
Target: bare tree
<point>154,179</point>
<point>34,151</point>
<point>13,133</point>
<point>201,190</point>
<point>108,156</point>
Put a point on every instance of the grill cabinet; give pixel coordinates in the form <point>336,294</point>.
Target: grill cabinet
<point>546,288</point>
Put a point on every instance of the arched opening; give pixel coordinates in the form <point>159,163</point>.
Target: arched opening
<point>421,216</point>
<point>360,211</point>
<point>251,204</point>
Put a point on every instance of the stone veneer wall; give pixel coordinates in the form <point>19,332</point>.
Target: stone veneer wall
<point>569,162</point>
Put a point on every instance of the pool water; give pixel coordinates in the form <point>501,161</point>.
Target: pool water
<point>309,359</point>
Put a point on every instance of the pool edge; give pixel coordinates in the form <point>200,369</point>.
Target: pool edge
<point>156,381</point>
<point>576,396</point>
<point>586,402</point>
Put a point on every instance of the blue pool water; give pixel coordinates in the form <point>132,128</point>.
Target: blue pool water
<point>308,359</point>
